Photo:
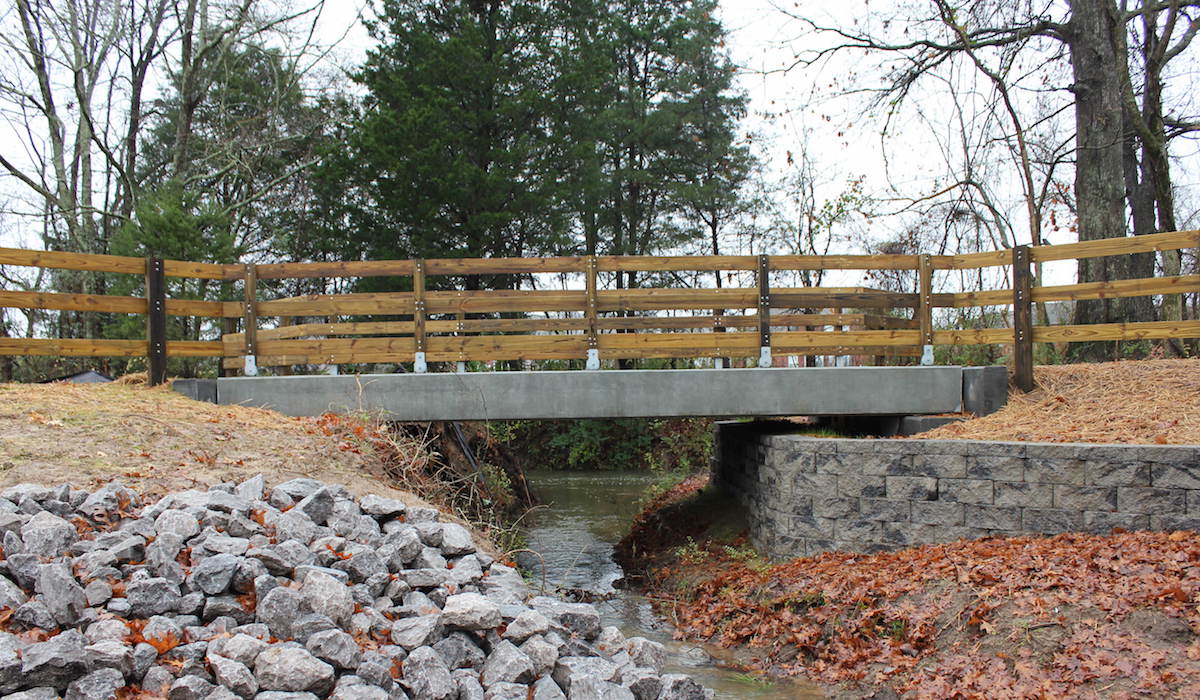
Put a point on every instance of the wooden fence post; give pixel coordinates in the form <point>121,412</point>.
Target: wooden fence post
<point>764,311</point>
<point>1022,319</point>
<point>156,322</point>
<point>593,351</point>
<point>419,364</point>
<point>925,310</point>
<point>250,320</point>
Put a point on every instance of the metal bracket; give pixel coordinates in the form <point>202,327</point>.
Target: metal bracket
<point>719,363</point>
<point>927,355</point>
<point>460,367</point>
<point>764,356</point>
<point>593,359</point>
<point>250,368</point>
<point>419,365</point>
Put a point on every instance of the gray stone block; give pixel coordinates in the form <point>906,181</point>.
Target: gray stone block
<point>949,466</point>
<point>1050,521</point>
<point>1175,476</point>
<point>1117,473</point>
<point>884,509</point>
<point>1166,454</point>
<point>985,389</point>
<point>1174,522</point>
<point>965,490</point>
<point>1193,503</point>
<point>1055,471</point>
<point>996,468</point>
<point>1103,522</point>
<point>993,517</point>
<point>810,526</point>
<point>937,512</point>
<point>1151,501</point>
<point>912,488</point>
<point>830,463</point>
<point>858,530</point>
<point>856,486</point>
<point>1024,494</point>
<point>814,484</point>
<point>835,507</point>
<point>1050,450</point>
<point>872,464</point>
<point>1085,497</point>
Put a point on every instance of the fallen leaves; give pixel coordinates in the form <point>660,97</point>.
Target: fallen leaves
<point>1023,617</point>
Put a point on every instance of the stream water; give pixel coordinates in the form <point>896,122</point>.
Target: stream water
<point>586,513</point>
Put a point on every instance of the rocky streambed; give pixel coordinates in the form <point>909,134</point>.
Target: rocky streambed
<point>289,593</point>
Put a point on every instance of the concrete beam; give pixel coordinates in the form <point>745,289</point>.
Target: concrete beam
<point>610,393</point>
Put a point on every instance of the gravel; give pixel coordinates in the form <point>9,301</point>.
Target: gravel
<point>290,592</point>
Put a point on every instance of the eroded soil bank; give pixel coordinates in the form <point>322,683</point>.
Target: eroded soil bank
<point>1068,616</point>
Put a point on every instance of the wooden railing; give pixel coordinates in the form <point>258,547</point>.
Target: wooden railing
<point>433,324</point>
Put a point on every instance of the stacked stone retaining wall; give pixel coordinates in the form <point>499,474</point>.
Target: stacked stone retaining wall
<point>807,495</point>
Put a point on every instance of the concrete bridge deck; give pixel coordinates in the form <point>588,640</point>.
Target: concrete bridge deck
<point>824,391</point>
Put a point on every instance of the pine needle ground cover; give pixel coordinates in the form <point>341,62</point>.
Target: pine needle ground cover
<point>1146,402</point>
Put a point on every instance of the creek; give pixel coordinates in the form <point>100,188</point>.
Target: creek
<point>585,515</point>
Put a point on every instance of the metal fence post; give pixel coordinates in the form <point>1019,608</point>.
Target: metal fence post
<point>156,321</point>
<point>1022,319</point>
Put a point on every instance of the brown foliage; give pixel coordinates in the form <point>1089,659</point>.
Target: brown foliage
<point>962,619</point>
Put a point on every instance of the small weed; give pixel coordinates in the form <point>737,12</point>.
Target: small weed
<point>753,680</point>
<point>691,552</point>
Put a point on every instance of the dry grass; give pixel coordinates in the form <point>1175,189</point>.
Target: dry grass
<point>1144,402</point>
<point>157,441</point>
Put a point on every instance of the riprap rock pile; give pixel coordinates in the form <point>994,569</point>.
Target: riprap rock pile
<point>300,591</point>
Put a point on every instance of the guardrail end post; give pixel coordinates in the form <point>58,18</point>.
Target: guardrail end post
<point>593,359</point>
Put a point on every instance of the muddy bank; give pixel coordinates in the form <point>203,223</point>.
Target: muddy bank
<point>1071,615</point>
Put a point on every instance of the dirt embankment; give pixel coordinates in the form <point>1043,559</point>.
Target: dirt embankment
<point>1147,402</point>
<point>157,441</point>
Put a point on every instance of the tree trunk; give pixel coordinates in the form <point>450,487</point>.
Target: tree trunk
<point>1095,36</point>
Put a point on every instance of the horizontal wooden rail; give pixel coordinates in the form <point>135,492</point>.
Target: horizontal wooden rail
<point>115,304</point>
<point>95,347</point>
<point>89,262</point>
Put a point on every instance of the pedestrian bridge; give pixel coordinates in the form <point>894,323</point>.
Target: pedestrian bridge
<point>826,391</point>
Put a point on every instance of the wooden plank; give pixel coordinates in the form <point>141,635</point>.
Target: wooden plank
<point>675,263</point>
<point>973,336</point>
<point>1125,245</point>
<point>198,270</point>
<point>204,309</point>
<point>72,261</point>
<point>380,304</point>
<point>959,300</point>
<point>925,301</point>
<point>972,261</point>
<point>73,302</point>
<point>507,347</point>
<point>841,297</point>
<point>1118,288</point>
<point>1022,319</point>
<point>1150,330</point>
<point>821,339</point>
<point>730,321</point>
<point>156,322</point>
<point>506,300</point>
<point>92,347</point>
<point>503,266</point>
<point>843,262</point>
<point>396,349</point>
<point>355,268</point>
